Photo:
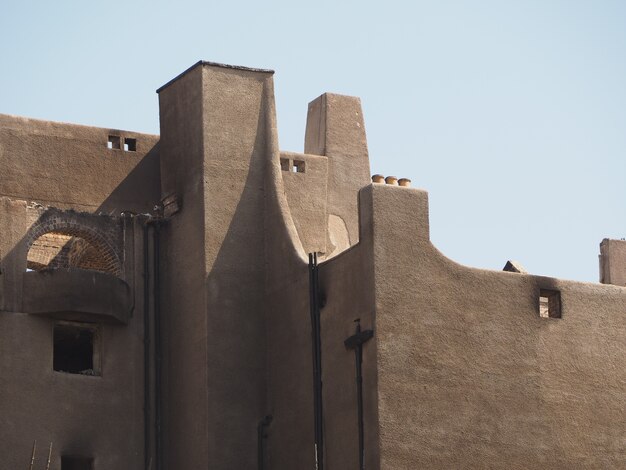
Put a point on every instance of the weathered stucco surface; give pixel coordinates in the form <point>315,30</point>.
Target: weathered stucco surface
<point>469,374</point>
<point>185,255</point>
<point>70,166</point>
<point>613,262</point>
<point>100,416</point>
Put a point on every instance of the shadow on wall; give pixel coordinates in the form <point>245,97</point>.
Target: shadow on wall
<point>236,321</point>
<point>56,238</point>
<point>34,399</point>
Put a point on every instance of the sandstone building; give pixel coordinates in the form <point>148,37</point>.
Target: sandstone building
<point>159,308</point>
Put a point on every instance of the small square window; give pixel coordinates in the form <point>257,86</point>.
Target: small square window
<point>114,143</point>
<point>71,462</point>
<point>298,166</point>
<point>76,349</point>
<point>549,303</point>
<point>284,164</point>
<point>130,145</point>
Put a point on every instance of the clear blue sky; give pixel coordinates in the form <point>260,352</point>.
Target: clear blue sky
<point>512,114</point>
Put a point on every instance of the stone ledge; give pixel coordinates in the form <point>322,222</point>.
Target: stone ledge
<point>77,293</point>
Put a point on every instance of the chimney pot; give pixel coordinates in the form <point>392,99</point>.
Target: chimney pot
<point>378,179</point>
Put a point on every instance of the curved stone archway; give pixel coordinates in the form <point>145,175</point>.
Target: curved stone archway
<point>66,239</point>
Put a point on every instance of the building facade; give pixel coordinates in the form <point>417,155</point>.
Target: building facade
<point>159,308</point>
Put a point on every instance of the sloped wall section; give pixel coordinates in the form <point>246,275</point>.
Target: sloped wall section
<point>470,375</point>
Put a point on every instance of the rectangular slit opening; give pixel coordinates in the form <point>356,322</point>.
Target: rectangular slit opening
<point>284,164</point>
<point>549,303</point>
<point>298,166</point>
<point>75,349</point>
<point>130,145</point>
<point>114,142</point>
<point>71,462</point>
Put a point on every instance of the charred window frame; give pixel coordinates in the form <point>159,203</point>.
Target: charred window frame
<point>76,348</point>
<point>74,462</point>
<point>298,166</point>
<point>550,303</point>
<point>292,166</point>
<point>114,142</point>
<point>130,145</point>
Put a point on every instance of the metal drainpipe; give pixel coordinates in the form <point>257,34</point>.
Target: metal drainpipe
<point>316,340</point>
<point>157,348</point>
<point>155,222</point>
<point>146,347</point>
<point>261,436</point>
<point>356,342</point>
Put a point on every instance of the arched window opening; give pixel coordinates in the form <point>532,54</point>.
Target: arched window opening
<point>70,249</point>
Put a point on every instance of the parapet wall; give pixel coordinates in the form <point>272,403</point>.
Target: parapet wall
<point>80,167</point>
<point>469,372</point>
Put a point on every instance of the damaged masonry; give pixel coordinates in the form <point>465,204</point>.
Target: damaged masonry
<point>188,301</point>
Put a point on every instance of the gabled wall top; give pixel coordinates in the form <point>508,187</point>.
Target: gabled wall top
<point>214,64</point>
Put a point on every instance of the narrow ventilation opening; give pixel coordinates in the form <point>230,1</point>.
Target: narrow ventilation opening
<point>130,145</point>
<point>71,462</point>
<point>549,303</point>
<point>75,349</point>
<point>284,164</point>
<point>298,166</point>
<point>114,142</point>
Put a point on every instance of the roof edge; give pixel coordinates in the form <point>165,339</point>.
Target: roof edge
<point>16,118</point>
<point>213,64</point>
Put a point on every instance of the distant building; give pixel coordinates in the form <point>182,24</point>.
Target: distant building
<point>159,308</point>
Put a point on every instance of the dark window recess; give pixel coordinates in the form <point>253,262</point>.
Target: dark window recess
<point>130,145</point>
<point>70,462</point>
<point>74,349</point>
<point>115,142</point>
<point>549,303</point>
<point>298,166</point>
<point>284,164</point>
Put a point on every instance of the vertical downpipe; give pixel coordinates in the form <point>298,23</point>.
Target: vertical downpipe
<point>261,436</point>
<point>356,342</point>
<point>146,346</point>
<point>314,298</point>
<point>157,349</point>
